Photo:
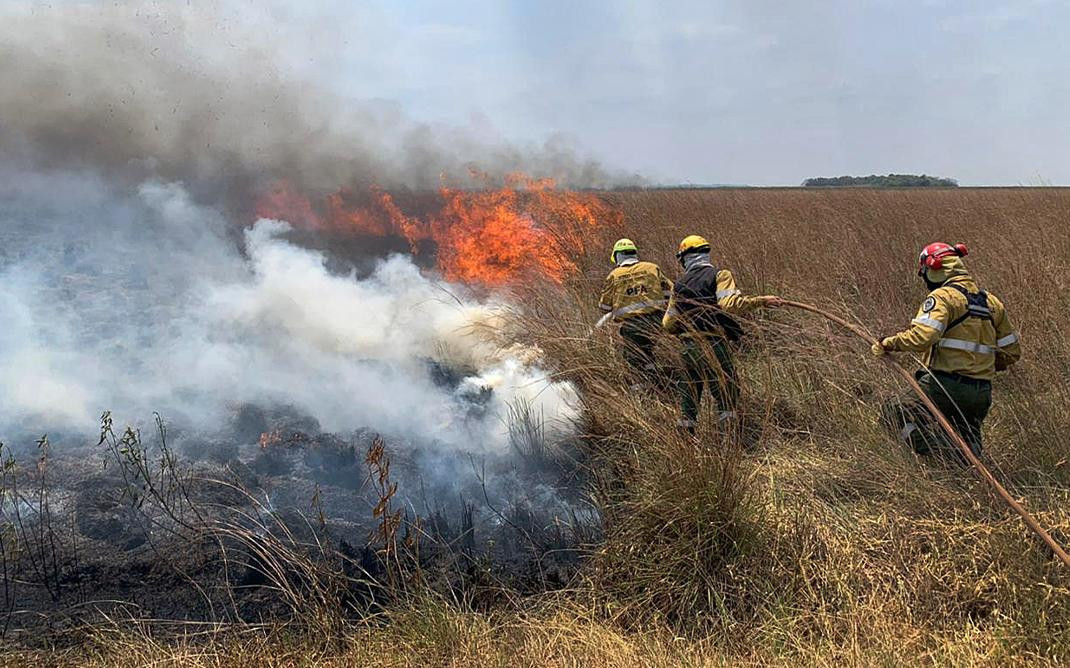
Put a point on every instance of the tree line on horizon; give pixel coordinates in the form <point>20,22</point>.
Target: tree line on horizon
<point>877,181</point>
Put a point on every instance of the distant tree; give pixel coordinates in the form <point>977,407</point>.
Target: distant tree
<point>875,181</point>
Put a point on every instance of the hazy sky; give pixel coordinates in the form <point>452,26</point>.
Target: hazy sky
<point>754,91</point>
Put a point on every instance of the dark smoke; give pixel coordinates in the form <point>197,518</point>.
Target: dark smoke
<point>183,94</point>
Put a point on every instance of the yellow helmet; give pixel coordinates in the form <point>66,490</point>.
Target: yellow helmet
<point>692,243</point>
<point>622,245</point>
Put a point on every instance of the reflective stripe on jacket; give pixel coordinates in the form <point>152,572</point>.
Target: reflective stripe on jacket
<point>975,347</point>
<point>634,288</point>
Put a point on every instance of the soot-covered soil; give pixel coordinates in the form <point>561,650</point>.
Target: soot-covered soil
<point>180,527</point>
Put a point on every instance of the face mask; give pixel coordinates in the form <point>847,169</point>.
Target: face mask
<point>696,260</point>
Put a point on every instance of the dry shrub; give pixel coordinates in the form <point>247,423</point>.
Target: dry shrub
<point>683,535</point>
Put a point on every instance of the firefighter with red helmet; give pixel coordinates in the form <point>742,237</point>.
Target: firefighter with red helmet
<point>699,312</point>
<point>965,337</point>
<point>634,295</point>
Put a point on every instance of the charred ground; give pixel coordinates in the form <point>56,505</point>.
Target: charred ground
<point>270,518</point>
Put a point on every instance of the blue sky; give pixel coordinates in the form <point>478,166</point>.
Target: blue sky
<point>748,91</point>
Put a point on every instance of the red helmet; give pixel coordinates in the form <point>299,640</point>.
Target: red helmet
<point>932,256</point>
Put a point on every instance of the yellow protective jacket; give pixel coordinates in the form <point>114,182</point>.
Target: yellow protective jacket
<point>634,288</point>
<point>957,336</point>
<point>697,295</point>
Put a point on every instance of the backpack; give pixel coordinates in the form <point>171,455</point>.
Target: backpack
<point>976,306</point>
<point>699,291</point>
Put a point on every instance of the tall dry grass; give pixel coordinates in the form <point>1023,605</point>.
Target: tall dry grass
<point>830,535</point>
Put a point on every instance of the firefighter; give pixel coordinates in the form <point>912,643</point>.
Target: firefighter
<point>634,295</point>
<point>966,337</point>
<point>699,313</point>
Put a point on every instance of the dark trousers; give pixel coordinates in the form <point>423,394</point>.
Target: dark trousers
<point>707,364</point>
<point>963,401</point>
<point>640,337</point>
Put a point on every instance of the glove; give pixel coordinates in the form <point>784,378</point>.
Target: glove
<point>883,346</point>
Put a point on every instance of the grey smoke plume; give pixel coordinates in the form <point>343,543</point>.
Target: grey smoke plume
<point>139,302</point>
<point>132,135</point>
<point>194,94</point>
<point>133,140</point>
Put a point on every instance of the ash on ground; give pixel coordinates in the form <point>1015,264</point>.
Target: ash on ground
<point>272,514</point>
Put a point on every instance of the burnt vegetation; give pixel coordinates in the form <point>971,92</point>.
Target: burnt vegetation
<point>301,527</point>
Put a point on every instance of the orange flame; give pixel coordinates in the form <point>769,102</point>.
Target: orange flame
<point>283,202</point>
<point>269,438</point>
<point>490,237</point>
<point>486,237</point>
<point>275,437</point>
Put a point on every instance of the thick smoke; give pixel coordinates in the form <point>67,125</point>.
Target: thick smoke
<point>142,301</point>
<point>199,96</point>
<point>133,142</point>
<point>123,289</point>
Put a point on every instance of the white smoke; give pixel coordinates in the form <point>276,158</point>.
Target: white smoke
<point>133,135</point>
<point>145,301</point>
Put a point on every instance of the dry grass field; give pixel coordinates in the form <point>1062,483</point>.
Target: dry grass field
<point>831,544</point>
<point>826,543</point>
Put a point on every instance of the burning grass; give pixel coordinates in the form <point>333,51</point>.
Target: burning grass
<point>824,543</point>
<point>492,236</point>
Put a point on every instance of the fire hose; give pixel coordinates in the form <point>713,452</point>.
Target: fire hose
<point>957,439</point>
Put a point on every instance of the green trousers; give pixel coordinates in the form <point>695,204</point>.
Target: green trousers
<point>963,401</point>
<point>707,364</point>
<point>640,337</point>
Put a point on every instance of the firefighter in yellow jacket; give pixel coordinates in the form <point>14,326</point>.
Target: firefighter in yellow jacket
<point>634,295</point>
<point>699,312</point>
<point>965,337</point>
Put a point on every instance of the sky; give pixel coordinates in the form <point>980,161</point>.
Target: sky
<point>753,92</point>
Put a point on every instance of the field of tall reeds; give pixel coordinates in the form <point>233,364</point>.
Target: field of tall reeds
<point>817,539</point>
<point>829,541</point>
